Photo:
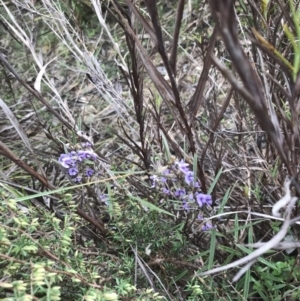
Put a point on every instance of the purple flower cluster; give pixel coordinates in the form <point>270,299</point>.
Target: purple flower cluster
<point>203,199</point>
<point>179,182</point>
<point>79,163</point>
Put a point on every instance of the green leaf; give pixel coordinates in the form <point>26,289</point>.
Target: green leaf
<point>166,147</point>
<point>63,189</point>
<point>212,186</point>
<point>177,278</point>
<point>260,259</point>
<point>212,249</point>
<point>195,163</point>
<point>246,278</point>
<point>225,199</point>
<point>150,205</point>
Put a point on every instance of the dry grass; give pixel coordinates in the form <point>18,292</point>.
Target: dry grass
<point>147,85</point>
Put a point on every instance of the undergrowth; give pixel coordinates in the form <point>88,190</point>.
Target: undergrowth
<point>149,150</point>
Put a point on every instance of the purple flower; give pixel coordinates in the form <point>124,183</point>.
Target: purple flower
<point>208,200</point>
<point>73,171</point>
<point>182,166</point>
<point>185,206</point>
<point>89,172</point>
<point>86,144</point>
<point>87,154</point>
<point>91,155</point>
<point>197,185</point>
<point>203,199</point>
<point>164,179</point>
<point>66,160</point>
<point>189,177</point>
<point>166,191</point>
<point>63,157</point>
<point>207,227</point>
<point>77,180</point>
<point>180,192</point>
<point>77,158</point>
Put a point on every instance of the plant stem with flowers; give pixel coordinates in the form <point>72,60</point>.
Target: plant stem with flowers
<point>178,181</point>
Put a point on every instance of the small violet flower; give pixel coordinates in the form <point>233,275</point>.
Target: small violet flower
<point>164,179</point>
<point>73,171</point>
<point>189,177</point>
<point>86,144</point>
<point>200,217</point>
<point>197,185</point>
<point>185,206</point>
<point>180,192</point>
<point>76,164</point>
<point>191,197</point>
<point>208,200</point>
<point>66,161</point>
<point>166,191</point>
<point>86,154</point>
<point>77,180</point>
<point>203,199</point>
<point>63,157</point>
<point>89,172</point>
<point>182,166</point>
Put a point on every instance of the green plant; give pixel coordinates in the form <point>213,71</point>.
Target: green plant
<point>131,157</point>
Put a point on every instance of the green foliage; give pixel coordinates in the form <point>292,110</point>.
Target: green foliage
<point>39,258</point>
<point>153,248</point>
<point>294,39</point>
<point>273,283</point>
